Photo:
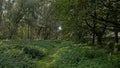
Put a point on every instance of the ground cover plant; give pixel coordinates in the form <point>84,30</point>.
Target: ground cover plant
<point>54,54</point>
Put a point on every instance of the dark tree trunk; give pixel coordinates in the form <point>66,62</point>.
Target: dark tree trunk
<point>93,39</point>
<point>116,36</point>
<point>99,40</point>
<point>13,31</point>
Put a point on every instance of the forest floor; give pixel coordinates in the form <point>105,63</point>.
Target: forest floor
<point>54,54</point>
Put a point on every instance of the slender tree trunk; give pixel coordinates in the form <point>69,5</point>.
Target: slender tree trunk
<point>93,39</point>
<point>28,32</point>
<point>14,31</point>
<point>116,36</point>
<point>1,12</point>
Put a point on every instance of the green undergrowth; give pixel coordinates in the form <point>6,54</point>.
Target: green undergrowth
<point>54,54</point>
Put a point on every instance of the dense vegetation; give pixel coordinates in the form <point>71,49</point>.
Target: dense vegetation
<point>54,54</point>
<point>59,33</point>
<point>87,21</point>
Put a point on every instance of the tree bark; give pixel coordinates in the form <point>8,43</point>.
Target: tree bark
<point>99,40</point>
<point>116,36</point>
<point>93,39</point>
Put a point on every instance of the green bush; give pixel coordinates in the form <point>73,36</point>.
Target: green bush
<point>19,56</point>
<point>95,63</point>
<point>117,47</point>
<point>115,60</point>
<point>110,46</point>
<point>14,58</point>
<point>34,52</point>
<point>78,56</point>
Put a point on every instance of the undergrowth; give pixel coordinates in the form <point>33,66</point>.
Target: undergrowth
<point>54,54</point>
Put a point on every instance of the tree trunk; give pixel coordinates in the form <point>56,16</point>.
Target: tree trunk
<point>13,32</point>
<point>99,40</point>
<point>116,36</point>
<point>93,39</point>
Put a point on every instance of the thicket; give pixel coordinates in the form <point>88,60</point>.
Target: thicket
<point>60,54</point>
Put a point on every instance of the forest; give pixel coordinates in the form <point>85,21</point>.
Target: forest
<point>59,33</point>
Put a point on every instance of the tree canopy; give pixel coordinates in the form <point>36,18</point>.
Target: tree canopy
<point>80,20</point>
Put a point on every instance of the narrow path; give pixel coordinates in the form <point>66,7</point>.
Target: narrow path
<point>48,60</point>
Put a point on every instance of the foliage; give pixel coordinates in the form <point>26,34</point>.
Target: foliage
<point>85,57</point>
<point>49,33</point>
<point>84,21</point>
<point>11,57</point>
<point>55,54</point>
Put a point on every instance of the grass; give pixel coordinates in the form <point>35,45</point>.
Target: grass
<point>54,54</point>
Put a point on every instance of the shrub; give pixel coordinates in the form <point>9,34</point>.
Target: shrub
<point>75,54</point>
<point>14,58</point>
<point>117,47</point>
<point>110,46</point>
<point>95,63</point>
<point>19,56</point>
<point>34,52</point>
